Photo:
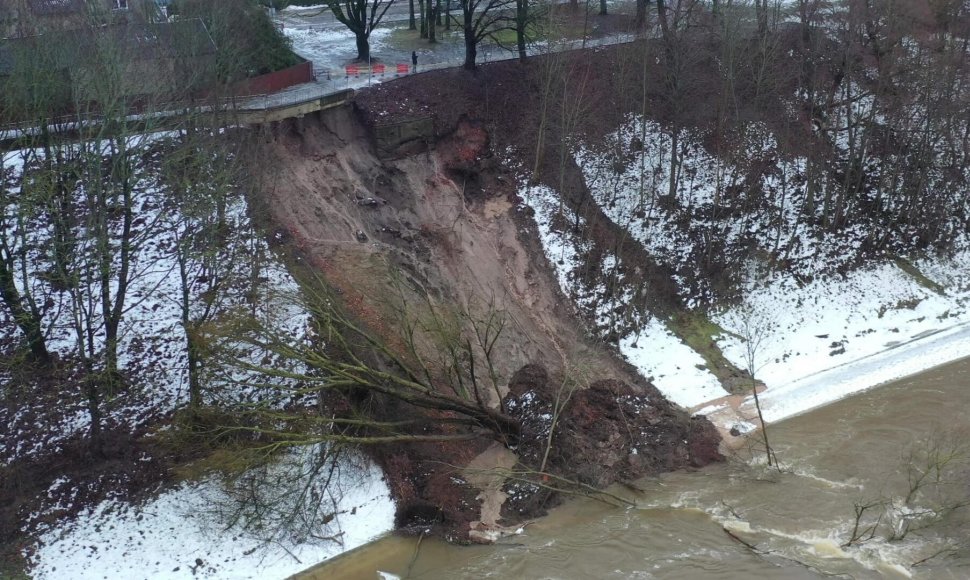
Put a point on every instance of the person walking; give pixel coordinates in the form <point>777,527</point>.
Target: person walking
<point>414,61</point>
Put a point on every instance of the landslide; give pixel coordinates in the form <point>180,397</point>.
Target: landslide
<point>441,225</point>
<point>535,111</point>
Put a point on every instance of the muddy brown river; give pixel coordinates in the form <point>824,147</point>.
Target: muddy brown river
<point>793,523</point>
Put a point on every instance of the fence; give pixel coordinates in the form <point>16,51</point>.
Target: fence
<point>258,96</point>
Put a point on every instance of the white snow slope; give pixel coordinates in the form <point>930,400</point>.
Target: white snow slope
<point>818,341</point>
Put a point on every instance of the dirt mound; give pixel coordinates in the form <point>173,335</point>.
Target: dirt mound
<point>605,433</point>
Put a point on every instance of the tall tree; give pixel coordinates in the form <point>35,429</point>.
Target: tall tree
<point>361,17</point>
<point>481,19</point>
<point>13,244</point>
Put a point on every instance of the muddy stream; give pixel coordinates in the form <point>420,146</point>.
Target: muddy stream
<point>836,456</point>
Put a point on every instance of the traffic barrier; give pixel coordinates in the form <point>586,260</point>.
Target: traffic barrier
<point>402,69</point>
<point>355,70</point>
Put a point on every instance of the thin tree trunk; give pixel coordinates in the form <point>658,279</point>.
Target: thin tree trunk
<point>764,428</point>
<point>471,43</point>
<point>761,8</point>
<point>412,23</point>
<point>113,311</point>
<point>93,398</point>
<point>195,368</point>
<point>674,162</point>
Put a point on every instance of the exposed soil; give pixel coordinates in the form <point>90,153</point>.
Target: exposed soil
<point>600,435</point>
<point>442,225</point>
<point>530,127</point>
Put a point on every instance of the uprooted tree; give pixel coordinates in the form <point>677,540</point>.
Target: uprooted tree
<point>934,493</point>
<point>328,385</point>
<point>440,362</point>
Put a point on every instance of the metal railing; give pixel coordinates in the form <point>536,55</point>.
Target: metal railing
<point>327,83</point>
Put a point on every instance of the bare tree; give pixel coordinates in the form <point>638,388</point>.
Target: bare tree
<point>340,356</point>
<point>14,255</point>
<point>936,468</point>
<point>361,17</point>
<point>481,19</point>
<point>753,328</point>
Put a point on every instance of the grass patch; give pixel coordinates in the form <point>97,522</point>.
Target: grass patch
<point>699,333</point>
<point>405,39</point>
<point>13,566</point>
<point>921,279</point>
<point>508,38</point>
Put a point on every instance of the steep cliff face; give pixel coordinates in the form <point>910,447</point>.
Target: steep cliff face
<point>439,225</point>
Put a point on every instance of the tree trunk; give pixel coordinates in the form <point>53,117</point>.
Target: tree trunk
<point>195,364</point>
<point>412,23</point>
<point>93,397</point>
<point>433,24</point>
<point>641,15</point>
<point>602,11</point>
<point>26,321</point>
<point>674,162</point>
<point>363,47</point>
<point>764,430</point>
<point>113,309</point>
<point>471,44</point>
<point>60,209</point>
<point>447,14</point>
<point>664,26</point>
<point>761,8</point>
<point>423,7</point>
<point>521,19</point>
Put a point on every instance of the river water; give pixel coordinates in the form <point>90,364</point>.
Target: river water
<point>794,522</point>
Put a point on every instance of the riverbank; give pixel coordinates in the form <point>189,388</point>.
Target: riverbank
<point>796,522</point>
<point>853,333</point>
<point>817,324</point>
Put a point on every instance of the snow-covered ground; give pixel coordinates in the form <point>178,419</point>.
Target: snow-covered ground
<point>182,532</point>
<point>674,368</point>
<point>818,341</point>
<point>838,336</point>
<point>177,535</point>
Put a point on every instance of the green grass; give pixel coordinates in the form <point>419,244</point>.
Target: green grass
<point>699,333</point>
<point>508,38</point>
<point>920,278</point>
<point>12,564</point>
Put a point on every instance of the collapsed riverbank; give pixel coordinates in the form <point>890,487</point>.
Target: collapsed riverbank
<point>462,218</point>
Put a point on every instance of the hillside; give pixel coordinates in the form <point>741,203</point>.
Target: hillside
<point>474,293</point>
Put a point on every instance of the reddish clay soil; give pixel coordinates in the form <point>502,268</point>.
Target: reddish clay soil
<point>444,221</point>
